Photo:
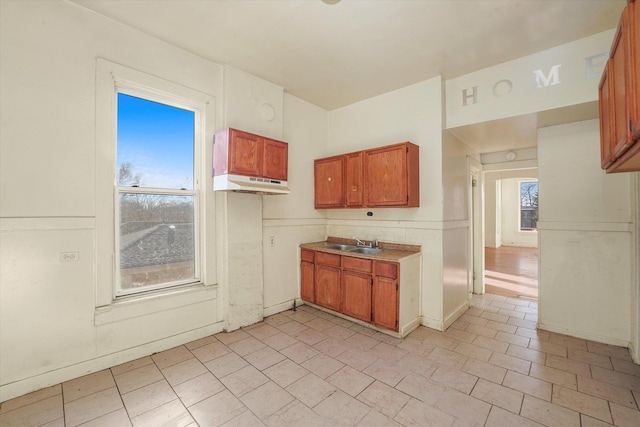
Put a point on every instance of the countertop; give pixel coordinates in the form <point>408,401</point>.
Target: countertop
<point>391,251</point>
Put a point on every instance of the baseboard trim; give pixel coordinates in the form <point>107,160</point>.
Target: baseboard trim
<point>432,323</point>
<point>456,314</point>
<point>66,373</point>
<point>585,335</point>
<point>283,306</point>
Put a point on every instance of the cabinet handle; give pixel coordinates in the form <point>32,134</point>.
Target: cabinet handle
<point>329,179</point>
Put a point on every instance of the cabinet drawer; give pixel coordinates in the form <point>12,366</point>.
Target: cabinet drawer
<point>328,259</point>
<point>307,255</point>
<point>386,269</point>
<point>356,264</point>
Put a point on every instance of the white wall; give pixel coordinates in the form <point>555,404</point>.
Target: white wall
<point>492,213</point>
<point>585,232</point>
<point>50,328</point>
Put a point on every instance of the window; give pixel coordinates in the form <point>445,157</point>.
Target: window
<point>528,205</point>
<point>156,195</point>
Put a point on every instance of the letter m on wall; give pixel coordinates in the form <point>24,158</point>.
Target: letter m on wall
<point>553,78</point>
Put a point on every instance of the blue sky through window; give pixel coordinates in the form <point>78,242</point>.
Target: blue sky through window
<point>157,140</point>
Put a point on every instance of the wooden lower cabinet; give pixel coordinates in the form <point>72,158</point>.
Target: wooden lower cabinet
<point>327,287</point>
<point>385,302</point>
<point>356,294</point>
<point>307,273</point>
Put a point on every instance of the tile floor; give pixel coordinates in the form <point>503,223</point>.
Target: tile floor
<point>309,368</point>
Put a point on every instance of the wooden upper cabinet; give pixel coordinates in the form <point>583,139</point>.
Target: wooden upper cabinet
<point>620,76</point>
<point>605,106</point>
<point>242,153</point>
<point>382,177</point>
<point>392,176</point>
<point>329,182</point>
<point>354,180</point>
<point>634,49</point>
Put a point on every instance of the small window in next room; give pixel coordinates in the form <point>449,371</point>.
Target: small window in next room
<point>156,195</point>
<point>528,205</point>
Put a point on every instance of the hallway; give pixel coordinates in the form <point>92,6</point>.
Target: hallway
<point>512,272</point>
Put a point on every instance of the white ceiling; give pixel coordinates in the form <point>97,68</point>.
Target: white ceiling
<point>334,55</point>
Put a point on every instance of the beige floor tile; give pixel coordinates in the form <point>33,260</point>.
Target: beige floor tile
<point>172,356</point>
<point>339,332</point>
<point>549,347</point>
<point>231,337</point>
<point>625,417</point>
<point>625,367</point>
<point>473,320</point>
<point>118,418</point>
<point>246,346</point>
<point>91,407</point>
<point>501,327</point>
<point>417,364</point>
<point>535,334</point>
<point>439,340</point>
<point>387,372</point>
<point>529,324</point>
<point>455,379</point>
<point>34,414</point>
<point>483,331</point>
<point>266,399</point>
<point>417,413</point>
<point>217,409</point>
<point>553,375</point>
<point>364,330</point>
<point>319,324</point>
<point>279,341</point>
<point>342,409</point>
<point>573,342</point>
<point>376,419</point>
<point>548,414</point>
<point>200,342</point>
<point>593,359</point>
<point>606,391</point>
<point>322,365</point>
<point>245,419</point>
<point>361,342</point>
<point>184,371</point>
<point>587,421</point>
<point>421,388</point>
<point>341,322</point>
<point>512,339</point>
<point>56,423</point>
<point>528,385</point>
<point>137,378</point>
<point>491,344</point>
<point>527,354</point>
<point>301,316</point>
<point>511,363</point>
<point>285,373</point>
<point>609,350</point>
<point>87,385</point>
<point>199,388</point>
<point>460,335</point>
<point>296,414</point>
<point>620,379</point>
<point>465,408</point>
<point>385,399</point>
<point>501,418</point>
<point>170,414</point>
<point>447,358</point>
<point>583,403</point>
<point>263,331</point>
<point>147,398</point>
<point>292,327</point>
<point>30,398</point>
<point>311,390</point>
<point>495,394</point>
<point>225,365</point>
<point>485,370</point>
<point>210,351</point>
<point>494,316</point>
<point>264,358</point>
<point>416,347</point>
<point>130,366</point>
<point>332,347</point>
<point>276,319</point>
<point>387,352</point>
<point>244,380</point>
<point>311,336</point>
<point>473,351</point>
<point>357,359</point>
<point>350,380</point>
<point>568,365</point>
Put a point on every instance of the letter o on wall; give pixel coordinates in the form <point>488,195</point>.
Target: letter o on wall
<point>502,88</point>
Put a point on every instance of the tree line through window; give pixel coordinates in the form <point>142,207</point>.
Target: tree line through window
<point>528,205</point>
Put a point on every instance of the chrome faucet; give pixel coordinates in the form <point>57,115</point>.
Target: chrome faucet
<point>361,243</point>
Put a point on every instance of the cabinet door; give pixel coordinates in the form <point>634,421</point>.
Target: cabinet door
<point>306,281</point>
<point>329,182</point>
<point>604,98</point>
<point>386,170</point>
<point>634,98</point>
<point>275,159</point>
<point>245,153</point>
<point>620,76</point>
<point>356,291</point>
<point>354,180</point>
<point>385,302</point>
<point>327,287</point>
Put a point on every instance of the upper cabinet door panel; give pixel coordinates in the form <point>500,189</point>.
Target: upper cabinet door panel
<point>387,176</point>
<point>275,159</point>
<point>620,86</point>
<point>245,153</point>
<point>606,139</point>
<point>634,48</point>
<point>329,182</point>
<point>354,180</point>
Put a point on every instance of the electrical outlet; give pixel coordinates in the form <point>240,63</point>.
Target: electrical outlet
<point>272,241</point>
<point>69,256</point>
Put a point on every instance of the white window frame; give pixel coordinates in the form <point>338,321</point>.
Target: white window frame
<point>112,78</point>
<point>520,182</point>
<point>178,102</point>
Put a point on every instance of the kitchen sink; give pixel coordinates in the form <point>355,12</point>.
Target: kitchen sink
<point>368,251</point>
<point>342,247</point>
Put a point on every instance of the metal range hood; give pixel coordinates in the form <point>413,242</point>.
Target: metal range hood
<point>249,184</point>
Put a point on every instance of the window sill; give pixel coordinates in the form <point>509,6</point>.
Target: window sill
<point>141,305</point>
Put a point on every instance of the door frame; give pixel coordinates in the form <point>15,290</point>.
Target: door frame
<point>475,204</point>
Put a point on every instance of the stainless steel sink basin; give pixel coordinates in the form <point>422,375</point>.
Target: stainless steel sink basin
<point>342,247</point>
<point>368,251</point>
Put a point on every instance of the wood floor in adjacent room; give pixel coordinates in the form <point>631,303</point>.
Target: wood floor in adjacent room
<point>512,271</point>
